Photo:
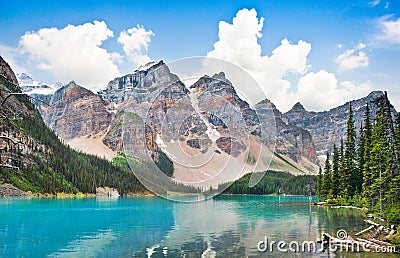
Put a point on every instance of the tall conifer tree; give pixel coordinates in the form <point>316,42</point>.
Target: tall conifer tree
<point>335,172</point>
<point>379,164</point>
<point>319,183</point>
<point>349,158</point>
<point>358,177</point>
<point>367,133</point>
<point>327,179</point>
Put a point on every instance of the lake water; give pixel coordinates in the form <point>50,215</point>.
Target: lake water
<point>226,226</point>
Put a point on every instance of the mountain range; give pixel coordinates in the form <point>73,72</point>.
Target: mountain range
<point>329,127</point>
<point>205,117</point>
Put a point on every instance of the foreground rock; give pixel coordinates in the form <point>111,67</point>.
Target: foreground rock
<point>10,190</point>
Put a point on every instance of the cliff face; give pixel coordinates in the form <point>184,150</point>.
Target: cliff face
<point>149,96</point>
<point>218,94</point>
<point>6,71</point>
<point>141,86</point>
<point>328,127</point>
<point>221,108</point>
<point>292,140</point>
<point>74,111</point>
<point>16,147</point>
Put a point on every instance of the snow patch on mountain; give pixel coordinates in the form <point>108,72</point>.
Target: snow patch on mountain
<point>31,86</point>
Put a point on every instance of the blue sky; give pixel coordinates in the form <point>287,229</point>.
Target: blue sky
<point>342,49</point>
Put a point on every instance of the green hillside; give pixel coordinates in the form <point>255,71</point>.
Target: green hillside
<point>34,159</point>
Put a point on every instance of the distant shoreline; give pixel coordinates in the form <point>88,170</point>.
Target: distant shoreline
<point>78,196</point>
<point>142,194</point>
<point>8,191</point>
<point>66,195</point>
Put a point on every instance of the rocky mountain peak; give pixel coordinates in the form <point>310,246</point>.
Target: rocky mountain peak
<point>291,140</point>
<point>375,94</point>
<point>141,86</point>
<point>74,111</point>
<point>70,91</point>
<point>265,103</point>
<point>71,84</point>
<point>30,86</point>
<point>221,77</point>
<point>155,65</point>
<point>217,84</point>
<point>150,65</point>
<point>298,107</point>
<point>25,79</point>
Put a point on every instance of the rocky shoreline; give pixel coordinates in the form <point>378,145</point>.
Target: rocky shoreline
<point>8,190</point>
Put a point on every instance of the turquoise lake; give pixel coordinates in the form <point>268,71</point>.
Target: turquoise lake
<point>226,226</point>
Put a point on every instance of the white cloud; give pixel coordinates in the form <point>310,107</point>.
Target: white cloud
<point>73,53</point>
<point>390,29</point>
<point>353,58</point>
<point>135,42</point>
<point>116,57</point>
<point>387,5</point>
<point>238,43</point>
<point>360,46</point>
<point>319,91</point>
<point>374,3</point>
<point>10,55</point>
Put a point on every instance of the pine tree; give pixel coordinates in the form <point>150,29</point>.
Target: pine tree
<point>367,133</point>
<point>327,179</point>
<point>341,148</point>
<point>397,136</point>
<point>358,177</point>
<point>395,182</point>
<point>319,183</point>
<point>379,164</point>
<point>341,161</point>
<point>384,111</point>
<point>388,176</point>
<point>349,158</point>
<point>335,172</point>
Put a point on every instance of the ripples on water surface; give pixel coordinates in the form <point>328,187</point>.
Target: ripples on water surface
<point>227,226</point>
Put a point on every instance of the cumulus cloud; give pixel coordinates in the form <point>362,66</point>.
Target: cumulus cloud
<point>353,58</point>
<point>390,30</point>
<point>238,43</point>
<point>135,42</point>
<point>321,90</point>
<point>73,53</point>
